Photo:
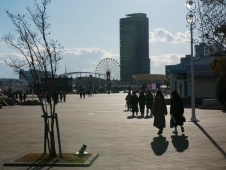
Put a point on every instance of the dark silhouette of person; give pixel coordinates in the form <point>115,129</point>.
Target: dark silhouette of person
<point>47,97</point>
<point>64,96</point>
<point>142,99</point>
<point>149,98</point>
<point>84,93</point>
<point>177,111</point>
<point>134,102</point>
<point>24,97</point>
<point>128,97</point>
<point>80,93</point>
<point>159,145</point>
<point>61,96</point>
<point>55,98</point>
<point>21,97</point>
<point>159,111</point>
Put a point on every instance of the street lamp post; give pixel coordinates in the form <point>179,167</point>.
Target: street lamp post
<point>191,5</point>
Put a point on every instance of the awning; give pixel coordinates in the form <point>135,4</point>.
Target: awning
<point>149,77</point>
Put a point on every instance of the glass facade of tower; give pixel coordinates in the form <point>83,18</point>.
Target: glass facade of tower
<point>134,46</point>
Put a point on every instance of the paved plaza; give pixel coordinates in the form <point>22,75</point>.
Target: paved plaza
<point>101,123</point>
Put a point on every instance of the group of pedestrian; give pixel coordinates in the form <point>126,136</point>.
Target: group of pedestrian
<point>56,97</point>
<point>133,100</point>
<point>62,96</point>
<point>158,108</point>
<point>83,93</point>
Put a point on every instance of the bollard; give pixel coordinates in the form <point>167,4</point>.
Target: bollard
<point>0,106</point>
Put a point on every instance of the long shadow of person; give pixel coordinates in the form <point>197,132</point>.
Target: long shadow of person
<point>159,145</point>
<point>180,143</point>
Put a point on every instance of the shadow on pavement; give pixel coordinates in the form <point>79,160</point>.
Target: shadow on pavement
<point>211,139</point>
<point>39,168</point>
<point>148,117</point>
<point>140,117</point>
<point>41,165</point>
<point>131,117</point>
<point>159,145</point>
<point>180,143</point>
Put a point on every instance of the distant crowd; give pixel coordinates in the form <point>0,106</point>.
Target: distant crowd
<point>15,95</point>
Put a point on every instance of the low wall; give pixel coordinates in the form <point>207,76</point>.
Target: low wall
<point>187,101</point>
<point>210,102</point>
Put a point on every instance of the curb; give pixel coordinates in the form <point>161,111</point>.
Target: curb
<point>87,163</point>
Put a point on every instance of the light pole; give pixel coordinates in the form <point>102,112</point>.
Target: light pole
<point>190,17</point>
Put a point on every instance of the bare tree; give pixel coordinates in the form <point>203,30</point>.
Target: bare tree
<point>211,25</point>
<point>212,28</point>
<point>41,55</point>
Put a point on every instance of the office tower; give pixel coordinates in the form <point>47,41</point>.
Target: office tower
<point>134,46</point>
<point>201,50</point>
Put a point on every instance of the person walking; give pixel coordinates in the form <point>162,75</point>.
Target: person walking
<point>134,102</point>
<point>64,96</point>
<point>48,97</point>
<point>142,100</point>
<point>24,97</point>
<point>61,96</point>
<point>177,111</point>
<point>128,97</point>
<point>84,93</point>
<point>149,98</point>
<point>80,92</point>
<point>159,111</point>
<point>21,97</point>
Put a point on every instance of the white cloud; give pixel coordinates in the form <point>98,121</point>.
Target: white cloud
<point>83,59</point>
<point>76,59</point>
<point>86,60</point>
<point>12,55</point>
<point>162,35</point>
<point>81,51</point>
<point>158,62</point>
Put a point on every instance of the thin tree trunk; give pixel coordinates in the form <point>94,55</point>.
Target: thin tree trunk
<point>52,140</point>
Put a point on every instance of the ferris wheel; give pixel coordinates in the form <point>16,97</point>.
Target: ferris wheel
<point>110,67</point>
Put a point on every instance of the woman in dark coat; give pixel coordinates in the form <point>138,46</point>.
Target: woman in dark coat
<point>128,101</point>
<point>177,110</point>
<point>149,98</point>
<point>24,97</point>
<point>21,97</point>
<point>142,99</point>
<point>159,111</point>
<point>134,102</point>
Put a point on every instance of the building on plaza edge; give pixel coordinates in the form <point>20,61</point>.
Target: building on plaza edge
<point>134,46</point>
<point>204,79</point>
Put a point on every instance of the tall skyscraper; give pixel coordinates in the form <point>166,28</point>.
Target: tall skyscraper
<point>134,46</point>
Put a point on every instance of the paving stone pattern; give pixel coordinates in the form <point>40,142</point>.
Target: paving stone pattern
<point>101,123</point>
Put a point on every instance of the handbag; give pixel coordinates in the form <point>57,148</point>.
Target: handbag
<point>172,122</point>
<point>184,119</point>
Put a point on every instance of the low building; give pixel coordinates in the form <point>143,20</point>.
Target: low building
<point>13,84</point>
<point>204,79</point>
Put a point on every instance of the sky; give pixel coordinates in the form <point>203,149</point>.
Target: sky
<point>89,31</point>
